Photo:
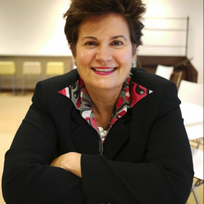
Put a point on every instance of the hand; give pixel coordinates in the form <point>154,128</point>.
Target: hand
<point>70,161</point>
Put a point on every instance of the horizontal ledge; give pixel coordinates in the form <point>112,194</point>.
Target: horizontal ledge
<point>22,55</point>
<point>167,18</point>
<point>173,46</point>
<point>172,30</point>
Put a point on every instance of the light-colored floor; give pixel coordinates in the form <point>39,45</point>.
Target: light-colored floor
<point>12,111</point>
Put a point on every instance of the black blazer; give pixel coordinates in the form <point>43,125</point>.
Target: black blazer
<point>147,157</point>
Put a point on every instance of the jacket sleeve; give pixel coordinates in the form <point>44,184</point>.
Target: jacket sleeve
<point>165,175</point>
<point>27,176</point>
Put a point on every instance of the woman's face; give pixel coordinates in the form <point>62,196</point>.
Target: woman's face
<point>104,51</point>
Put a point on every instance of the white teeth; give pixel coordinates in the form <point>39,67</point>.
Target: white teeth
<point>104,70</point>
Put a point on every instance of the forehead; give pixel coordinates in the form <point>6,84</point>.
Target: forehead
<point>112,23</point>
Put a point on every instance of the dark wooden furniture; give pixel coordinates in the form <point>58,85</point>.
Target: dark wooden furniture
<point>183,69</point>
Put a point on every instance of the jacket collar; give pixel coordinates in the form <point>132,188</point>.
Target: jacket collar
<point>117,138</point>
<point>86,139</point>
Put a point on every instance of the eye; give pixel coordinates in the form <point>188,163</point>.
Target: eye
<point>90,43</point>
<point>117,43</point>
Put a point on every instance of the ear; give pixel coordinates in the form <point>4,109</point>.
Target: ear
<point>73,50</point>
<point>134,51</point>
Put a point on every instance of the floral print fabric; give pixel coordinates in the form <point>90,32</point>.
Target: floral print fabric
<point>130,94</point>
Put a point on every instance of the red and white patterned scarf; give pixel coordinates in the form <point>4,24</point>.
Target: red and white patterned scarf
<point>130,94</point>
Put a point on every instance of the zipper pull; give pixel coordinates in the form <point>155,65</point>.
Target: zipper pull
<point>100,144</point>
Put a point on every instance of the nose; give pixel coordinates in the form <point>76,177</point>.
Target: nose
<point>104,54</point>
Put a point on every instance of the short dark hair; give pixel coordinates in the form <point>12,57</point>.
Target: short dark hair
<point>131,10</point>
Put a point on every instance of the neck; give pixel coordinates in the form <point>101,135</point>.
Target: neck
<point>103,103</point>
<point>103,99</point>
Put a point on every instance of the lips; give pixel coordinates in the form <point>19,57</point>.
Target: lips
<point>104,69</point>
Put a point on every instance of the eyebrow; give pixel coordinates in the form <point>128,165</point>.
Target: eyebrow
<point>112,38</point>
<point>119,36</point>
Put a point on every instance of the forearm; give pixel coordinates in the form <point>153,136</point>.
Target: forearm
<point>132,183</point>
<point>32,183</point>
<point>70,161</point>
<point>163,176</point>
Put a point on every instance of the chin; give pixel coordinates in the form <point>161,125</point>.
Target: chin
<point>108,86</point>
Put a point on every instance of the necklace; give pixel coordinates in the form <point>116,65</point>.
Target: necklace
<point>102,132</point>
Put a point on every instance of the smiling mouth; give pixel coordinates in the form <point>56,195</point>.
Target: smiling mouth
<point>103,70</point>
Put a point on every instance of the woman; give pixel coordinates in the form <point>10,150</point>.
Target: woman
<point>104,133</point>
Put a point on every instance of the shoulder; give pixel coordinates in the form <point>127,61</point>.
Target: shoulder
<point>62,81</point>
<point>47,91</point>
<point>163,90</point>
<point>151,81</point>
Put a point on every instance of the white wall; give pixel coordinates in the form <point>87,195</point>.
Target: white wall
<point>184,8</point>
<point>35,27</point>
<point>164,36</point>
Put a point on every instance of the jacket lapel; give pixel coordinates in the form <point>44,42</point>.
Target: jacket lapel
<point>116,139</point>
<point>85,138</point>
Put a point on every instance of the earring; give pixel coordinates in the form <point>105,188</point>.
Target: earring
<point>74,64</point>
<point>133,63</point>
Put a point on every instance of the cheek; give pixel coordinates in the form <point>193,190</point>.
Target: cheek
<point>83,57</point>
<point>127,55</point>
<point>126,58</point>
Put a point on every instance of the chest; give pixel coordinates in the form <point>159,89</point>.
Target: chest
<point>126,140</point>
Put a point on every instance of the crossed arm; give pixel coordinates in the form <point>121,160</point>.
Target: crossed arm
<point>30,175</point>
<point>70,161</point>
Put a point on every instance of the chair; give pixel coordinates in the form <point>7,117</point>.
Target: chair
<point>191,92</point>
<point>30,68</point>
<point>198,169</point>
<point>54,68</point>
<point>8,68</point>
<point>164,71</point>
<point>176,77</point>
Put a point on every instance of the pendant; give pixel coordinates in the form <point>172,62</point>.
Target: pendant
<point>102,132</point>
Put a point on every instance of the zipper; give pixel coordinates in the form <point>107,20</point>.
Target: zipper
<point>100,144</point>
